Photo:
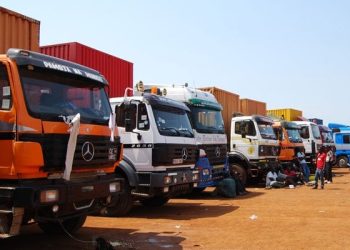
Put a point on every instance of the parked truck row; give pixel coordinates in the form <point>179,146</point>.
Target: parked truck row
<point>69,150</point>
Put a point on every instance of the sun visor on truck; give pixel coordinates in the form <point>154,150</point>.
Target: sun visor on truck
<point>156,100</point>
<point>262,119</point>
<point>25,57</point>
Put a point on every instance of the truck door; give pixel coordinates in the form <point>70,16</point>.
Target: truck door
<point>246,144</point>
<point>7,120</point>
<point>138,143</point>
<point>305,135</point>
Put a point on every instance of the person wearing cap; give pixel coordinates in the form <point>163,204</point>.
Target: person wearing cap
<point>328,170</point>
<point>320,164</point>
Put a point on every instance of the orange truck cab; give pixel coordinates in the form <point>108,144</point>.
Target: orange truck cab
<point>289,137</point>
<point>58,149</point>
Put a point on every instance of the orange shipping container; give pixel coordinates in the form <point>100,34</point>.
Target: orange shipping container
<point>252,107</point>
<point>229,102</point>
<point>18,31</point>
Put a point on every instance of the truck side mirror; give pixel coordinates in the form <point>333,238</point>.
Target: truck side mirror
<point>243,129</point>
<point>128,125</point>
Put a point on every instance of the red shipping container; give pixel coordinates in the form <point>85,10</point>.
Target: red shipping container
<point>118,72</point>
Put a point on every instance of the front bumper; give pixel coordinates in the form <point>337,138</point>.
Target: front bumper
<point>74,197</point>
<point>210,175</point>
<point>171,182</point>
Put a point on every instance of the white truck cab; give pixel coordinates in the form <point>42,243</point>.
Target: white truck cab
<point>311,136</point>
<point>253,146</point>
<point>159,150</point>
<point>208,128</point>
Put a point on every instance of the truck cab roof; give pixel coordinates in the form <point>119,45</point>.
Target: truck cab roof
<point>26,57</point>
<point>153,100</point>
<point>188,95</point>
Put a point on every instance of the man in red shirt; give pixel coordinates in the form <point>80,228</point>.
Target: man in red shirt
<point>320,164</point>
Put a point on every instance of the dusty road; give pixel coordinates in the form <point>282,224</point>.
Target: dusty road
<point>299,218</point>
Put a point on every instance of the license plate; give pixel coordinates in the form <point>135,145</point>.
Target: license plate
<point>177,161</point>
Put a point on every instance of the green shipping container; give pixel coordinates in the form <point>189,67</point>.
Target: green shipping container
<point>286,114</point>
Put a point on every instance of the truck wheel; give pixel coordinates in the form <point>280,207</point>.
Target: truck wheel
<point>236,169</point>
<point>71,225</point>
<point>343,161</point>
<point>122,204</point>
<point>156,201</point>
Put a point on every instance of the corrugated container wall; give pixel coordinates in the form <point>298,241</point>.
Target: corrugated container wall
<point>18,31</point>
<point>230,105</point>
<point>288,114</point>
<point>316,120</point>
<point>118,72</point>
<point>252,107</point>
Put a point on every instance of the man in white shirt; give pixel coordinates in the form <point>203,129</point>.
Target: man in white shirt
<point>271,180</point>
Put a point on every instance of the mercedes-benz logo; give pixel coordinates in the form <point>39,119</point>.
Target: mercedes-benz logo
<point>184,154</point>
<point>88,151</point>
<point>217,151</point>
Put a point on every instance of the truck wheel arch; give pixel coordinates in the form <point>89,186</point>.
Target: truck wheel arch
<point>239,164</point>
<point>126,169</point>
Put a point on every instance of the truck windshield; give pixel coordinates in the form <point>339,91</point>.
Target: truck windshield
<point>293,135</point>
<point>207,120</point>
<point>327,137</point>
<point>266,131</point>
<point>172,121</point>
<point>49,95</point>
<point>315,131</point>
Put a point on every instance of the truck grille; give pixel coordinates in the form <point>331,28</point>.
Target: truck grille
<point>216,153</point>
<point>267,150</point>
<point>173,154</point>
<point>101,151</point>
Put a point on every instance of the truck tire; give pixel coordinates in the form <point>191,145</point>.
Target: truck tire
<point>343,161</point>
<point>71,225</point>
<point>236,169</point>
<point>156,201</point>
<point>122,204</point>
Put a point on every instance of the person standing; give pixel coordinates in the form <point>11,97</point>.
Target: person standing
<point>303,164</point>
<point>320,164</point>
<point>328,169</point>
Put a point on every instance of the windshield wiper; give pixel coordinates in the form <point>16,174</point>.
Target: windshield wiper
<point>171,129</point>
<point>187,132</point>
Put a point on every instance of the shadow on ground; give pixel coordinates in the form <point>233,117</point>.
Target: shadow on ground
<point>182,211</point>
<point>33,238</point>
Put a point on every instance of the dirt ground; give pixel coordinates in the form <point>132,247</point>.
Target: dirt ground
<point>299,218</point>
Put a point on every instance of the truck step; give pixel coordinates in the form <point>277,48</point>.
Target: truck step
<point>145,185</point>
<point>5,211</point>
<point>139,194</point>
<point>18,213</point>
<point>11,228</point>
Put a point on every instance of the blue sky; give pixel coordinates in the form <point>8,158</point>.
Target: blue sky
<point>289,54</point>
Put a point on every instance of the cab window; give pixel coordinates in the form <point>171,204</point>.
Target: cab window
<point>246,126</point>
<point>5,90</point>
<point>142,117</point>
<point>304,132</point>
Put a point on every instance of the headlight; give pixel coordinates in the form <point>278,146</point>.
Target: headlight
<point>47,196</point>
<point>202,153</point>
<point>114,187</point>
<point>195,177</point>
<point>206,172</point>
<point>167,180</point>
